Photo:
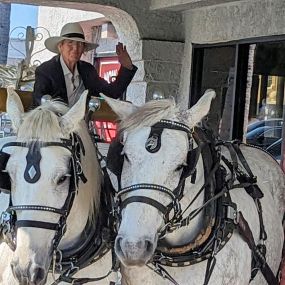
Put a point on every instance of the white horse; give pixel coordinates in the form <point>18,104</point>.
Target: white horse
<point>42,183</point>
<point>157,156</point>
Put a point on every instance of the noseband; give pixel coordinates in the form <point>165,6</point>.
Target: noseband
<point>152,145</point>
<point>8,222</point>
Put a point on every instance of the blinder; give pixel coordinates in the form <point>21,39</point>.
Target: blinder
<point>115,159</point>
<point>5,183</point>
<point>192,160</point>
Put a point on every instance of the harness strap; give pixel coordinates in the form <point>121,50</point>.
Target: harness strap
<point>242,159</point>
<point>79,281</point>
<point>37,224</point>
<point>209,269</point>
<point>147,186</point>
<point>65,144</point>
<point>248,182</point>
<point>37,208</point>
<point>145,200</point>
<point>245,231</point>
<point>158,269</point>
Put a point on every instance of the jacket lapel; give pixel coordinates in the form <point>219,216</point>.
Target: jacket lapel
<point>61,80</point>
<point>83,75</point>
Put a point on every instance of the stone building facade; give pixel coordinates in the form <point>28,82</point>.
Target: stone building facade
<point>166,40</point>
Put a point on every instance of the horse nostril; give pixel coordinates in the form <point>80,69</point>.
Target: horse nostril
<point>16,272</point>
<point>118,246</point>
<point>37,275</point>
<point>149,246</point>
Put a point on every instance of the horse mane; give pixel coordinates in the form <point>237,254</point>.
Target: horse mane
<point>149,114</point>
<point>42,124</point>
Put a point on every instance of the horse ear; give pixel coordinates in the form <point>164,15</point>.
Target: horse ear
<point>14,107</point>
<point>122,108</point>
<point>195,114</point>
<point>70,121</point>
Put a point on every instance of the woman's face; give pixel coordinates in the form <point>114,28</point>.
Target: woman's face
<point>71,51</point>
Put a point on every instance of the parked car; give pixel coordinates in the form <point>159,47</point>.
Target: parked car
<point>264,136</point>
<point>270,123</point>
<point>275,149</point>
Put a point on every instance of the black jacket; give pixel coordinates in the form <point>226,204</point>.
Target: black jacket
<point>49,79</point>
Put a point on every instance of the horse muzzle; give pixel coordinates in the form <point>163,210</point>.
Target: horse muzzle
<point>134,251</point>
<point>32,274</point>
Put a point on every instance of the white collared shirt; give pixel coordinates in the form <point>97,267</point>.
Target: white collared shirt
<point>73,82</point>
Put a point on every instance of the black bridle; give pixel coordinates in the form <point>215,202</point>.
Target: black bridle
<point>32,174</point>
<point>226,217</point>
<point>152,145</point>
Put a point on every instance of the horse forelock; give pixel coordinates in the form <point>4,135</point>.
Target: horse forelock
<point>149,114</point>
<point>42,123</point>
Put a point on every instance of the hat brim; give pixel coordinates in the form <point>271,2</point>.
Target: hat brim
<point>52,42</point>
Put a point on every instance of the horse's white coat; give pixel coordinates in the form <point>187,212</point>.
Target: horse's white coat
<point>34,245</point>
<point>141,223</point>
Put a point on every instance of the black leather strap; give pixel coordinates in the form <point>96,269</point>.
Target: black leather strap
<point>37,224</point>
<point>145,200</point>
<point>144,186</point>
<point>65,143</point>
<point>37,208</point>
<point>245,231</point>
<point>168,124</point>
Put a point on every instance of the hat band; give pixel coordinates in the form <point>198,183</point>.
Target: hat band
<point>74,35</point>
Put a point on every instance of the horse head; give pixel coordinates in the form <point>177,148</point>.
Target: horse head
<point>156,139</point>
<point>55,181</point>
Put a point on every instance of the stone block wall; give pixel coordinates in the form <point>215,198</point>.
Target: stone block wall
<point>230,22</point>
<point>158,70</point>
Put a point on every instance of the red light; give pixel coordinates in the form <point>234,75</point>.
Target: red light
<point>106,130</point>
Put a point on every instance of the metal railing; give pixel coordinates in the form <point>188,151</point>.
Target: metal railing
<point>22,76</point>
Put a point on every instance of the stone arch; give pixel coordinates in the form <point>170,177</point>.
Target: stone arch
<point>155,41</point>
<point>124,24</point>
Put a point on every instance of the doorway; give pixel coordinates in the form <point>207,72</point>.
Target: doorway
<point>249,80</point>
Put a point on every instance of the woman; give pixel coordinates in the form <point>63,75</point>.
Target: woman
<point>65,76</point>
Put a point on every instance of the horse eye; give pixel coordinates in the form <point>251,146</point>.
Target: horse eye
<point>62,179</point>
<point>179,167</point>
